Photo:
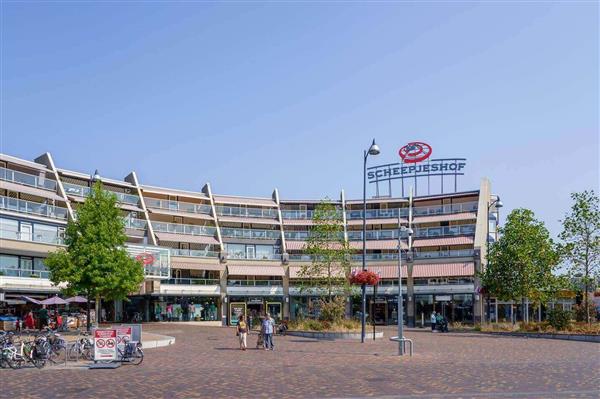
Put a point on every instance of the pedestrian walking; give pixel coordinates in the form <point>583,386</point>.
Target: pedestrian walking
<point>268,330</point>
<point>29,321</point>
<point>433,320</point>
<point>242,332</point>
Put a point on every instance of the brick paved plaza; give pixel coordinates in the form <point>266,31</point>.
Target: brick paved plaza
<point>205,362</point>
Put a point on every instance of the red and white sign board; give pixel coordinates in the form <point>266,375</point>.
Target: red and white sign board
<point>123,336</point>
<point>105,345</point>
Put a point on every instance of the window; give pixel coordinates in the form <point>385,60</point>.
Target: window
<point>250,252</point>
<point>9,265</point>
<point>26,263</point>
<point>265,251</point>
<point>9,228</point>
<point>45,233</point>
<point>235,251</point>
<point>39,265</point>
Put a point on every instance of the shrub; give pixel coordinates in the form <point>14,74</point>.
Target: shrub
<point>559,319</point>
<point>580,311</point>
<point>333,310</point>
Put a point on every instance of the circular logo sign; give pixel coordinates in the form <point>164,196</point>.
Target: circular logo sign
<point>415,152</point>
<point>145,258</point>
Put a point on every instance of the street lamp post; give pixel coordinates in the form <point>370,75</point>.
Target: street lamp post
<point>373,150</point>
<point>401,229</point>
<point>498,205</point>
<point>373,303</point>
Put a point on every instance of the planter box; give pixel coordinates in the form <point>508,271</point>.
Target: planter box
<point>568,337</point>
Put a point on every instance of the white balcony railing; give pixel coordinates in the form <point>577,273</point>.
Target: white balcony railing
<point>27,179</point>
<point>33,208</point>
<point>178,206</point>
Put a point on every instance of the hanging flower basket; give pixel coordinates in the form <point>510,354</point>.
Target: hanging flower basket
<point>364,277</point>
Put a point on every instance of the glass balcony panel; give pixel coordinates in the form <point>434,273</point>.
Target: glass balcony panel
<point>190,281</point>
<point>183,229</point>
<point>82,191</point>
<point>27,179</point>
<point>35,208</point>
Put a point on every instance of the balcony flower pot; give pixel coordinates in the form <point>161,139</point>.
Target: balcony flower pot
<point>364,277</point>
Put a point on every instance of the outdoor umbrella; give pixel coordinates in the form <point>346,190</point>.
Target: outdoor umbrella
<point>55,300</point>
<point>76,299</point>
<point>31,300</point>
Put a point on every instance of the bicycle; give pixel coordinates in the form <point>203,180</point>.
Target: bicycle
<point>131,353</point>
<point>82,348</point>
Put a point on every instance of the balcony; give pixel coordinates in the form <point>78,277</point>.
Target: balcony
<point>178,206</point>
<point>190,281</point>
<point>250,233</point>
<point>295,235</point>
<point>445,209</point>
<point>304,214</point>
<point>258,256</point>
<point>377,213</point>
<point>454,253</point>
<point>83,191</point>
<point>254,283</point>
<point>465,229</point>
<point>194,253</point>
<point>384,256</point>
<point>45,238</point>
<point>188,229</point>
<point>374,235</point>
<point>5,271</point>
<point>27,179</point>
<point>33,208</point>
<point>237,211</point>
<point>137,224</point>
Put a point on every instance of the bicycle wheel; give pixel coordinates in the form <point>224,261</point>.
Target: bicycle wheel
<point>38,362</point>
<point>137,356</point>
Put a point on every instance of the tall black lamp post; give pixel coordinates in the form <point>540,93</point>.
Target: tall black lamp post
<point>373,150</point>
<point>409,232</point>
<point>498,204</point>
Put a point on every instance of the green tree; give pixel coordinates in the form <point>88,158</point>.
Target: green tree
<point>580,247</point>
<point>330,254</point>
<point>522,261</point>
<point>95,262</point>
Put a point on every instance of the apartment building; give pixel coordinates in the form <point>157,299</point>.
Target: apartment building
<point>215,256</point>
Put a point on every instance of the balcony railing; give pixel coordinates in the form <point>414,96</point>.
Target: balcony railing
<point>250,233</point>
<point>83,191</point>
<point>195,253</point>
<point>296,235</point>
<point>27,179</point>
<point>188,229</point>
<point>5,271</point>
<point>33,208</point>
<point>137,224</point>
<point>373,235</point>
<point>178,206</point>
<point>22,236</point>
<point>254,283</point>
<point>259,256</point>
<point>453,253</point>
<point>377,213</point>
<point>191,281</point>
<point>267,213</point>
<point>444,209</point>
<point>465,229</point>
<point>301,214</point>
<point>384,256</point>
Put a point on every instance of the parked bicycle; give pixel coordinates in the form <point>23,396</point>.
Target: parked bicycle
<point>82,348</point>
<point>132,353</point>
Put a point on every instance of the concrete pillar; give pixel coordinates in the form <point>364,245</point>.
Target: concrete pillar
<point>479,300</point>
<point>224,305</point>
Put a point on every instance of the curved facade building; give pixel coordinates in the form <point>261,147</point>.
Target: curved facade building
<point>215,255</point>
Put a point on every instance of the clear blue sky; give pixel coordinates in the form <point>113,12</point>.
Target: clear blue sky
<point>255,96</point>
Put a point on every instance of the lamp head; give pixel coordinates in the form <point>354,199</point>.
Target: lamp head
<point>96,176</point>
<point>499,203</point>
<point>374,149</point>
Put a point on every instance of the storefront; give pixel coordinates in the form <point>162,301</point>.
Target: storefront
<point>253,307</point>
<point>185,308</point>
<point>454,307</point>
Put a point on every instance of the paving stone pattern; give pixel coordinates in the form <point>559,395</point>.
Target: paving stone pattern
<point>205,363</point>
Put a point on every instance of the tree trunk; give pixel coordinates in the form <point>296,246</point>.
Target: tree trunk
<point>97,310</point>
<point>585,302</point>
<point>88,323</point>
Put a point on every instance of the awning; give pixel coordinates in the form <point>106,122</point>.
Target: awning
<point>172,237</point>
<point>298,222</point>
<point>21,188</point>
<point>394,221</point>
<point>378,244</point>
<point>445,218</point>
<point>241,219</point>
<point>444,270</point>
<point>384,271</point>
<point>250,270</point>
<point>434,242</point>
<point>295,245</point>
<point>129,207</point>
<point>179,213</point>
<point>197,266</point>
<point>223,199</point>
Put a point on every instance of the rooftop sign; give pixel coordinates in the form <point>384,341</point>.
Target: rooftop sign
<point>417,164</point>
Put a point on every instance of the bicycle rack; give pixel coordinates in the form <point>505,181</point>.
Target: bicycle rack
<point>403,341</point>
